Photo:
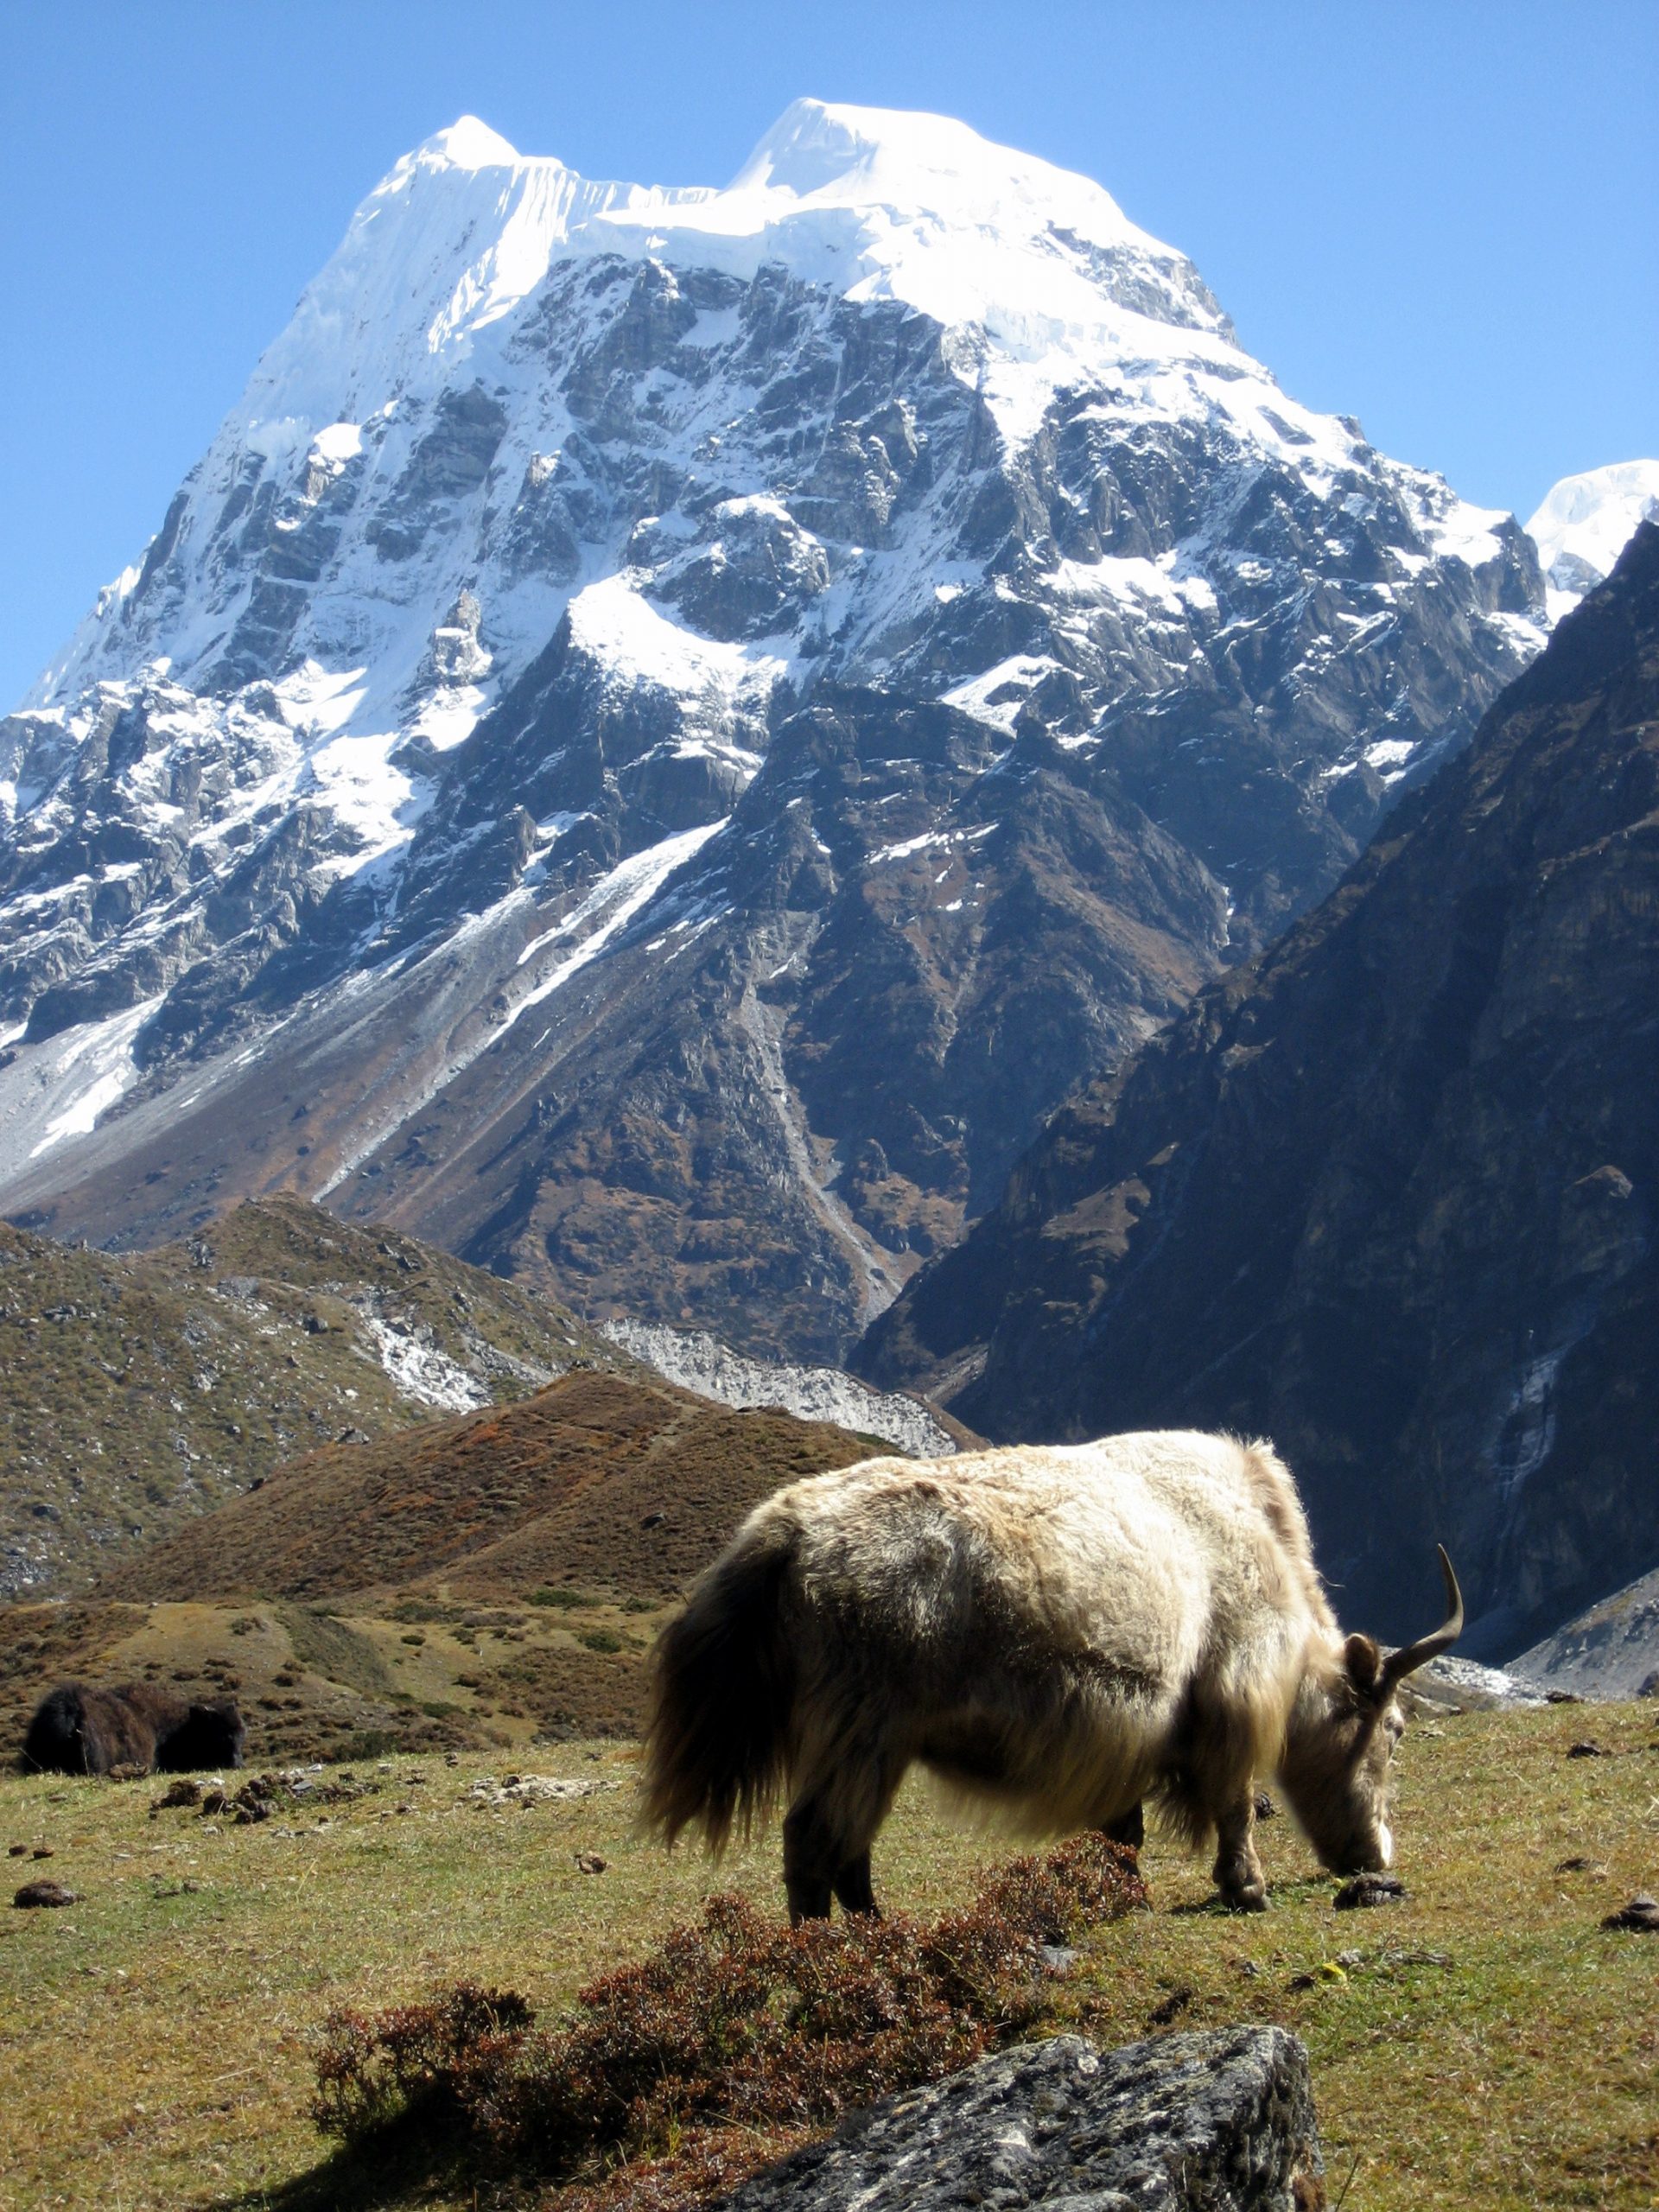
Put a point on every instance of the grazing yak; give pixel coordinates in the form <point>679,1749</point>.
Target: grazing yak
<point>79,1729</point>
<point>1057,1632</point>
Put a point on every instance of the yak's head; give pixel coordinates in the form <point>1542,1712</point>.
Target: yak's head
<point>1340,1744</point>
<point>212,1734</point>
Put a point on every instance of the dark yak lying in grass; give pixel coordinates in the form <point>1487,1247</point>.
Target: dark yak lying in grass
<point>79,1729</point>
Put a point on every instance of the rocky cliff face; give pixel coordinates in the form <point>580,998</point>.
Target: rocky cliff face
<point>1611,1651</point>
<point>670,729</point>
<point>1389,1194</point>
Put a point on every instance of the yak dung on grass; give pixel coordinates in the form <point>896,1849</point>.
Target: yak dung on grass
<point>79,1729</point>
<point>1058,1631</point>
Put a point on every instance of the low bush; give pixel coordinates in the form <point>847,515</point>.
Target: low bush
<point>412,1609</point>
<point>366,1743</point>
<point>414,2058</point>
<point>734,2024</point>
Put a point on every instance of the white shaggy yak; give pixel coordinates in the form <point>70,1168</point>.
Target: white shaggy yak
<point>1058,1631</point>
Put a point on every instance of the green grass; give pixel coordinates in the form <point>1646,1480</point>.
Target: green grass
<point>1491,2049</point>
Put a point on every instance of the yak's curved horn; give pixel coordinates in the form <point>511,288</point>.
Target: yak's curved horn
<point>1410,1657</point>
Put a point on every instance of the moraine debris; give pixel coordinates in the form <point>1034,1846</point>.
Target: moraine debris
<point>527,1790</point>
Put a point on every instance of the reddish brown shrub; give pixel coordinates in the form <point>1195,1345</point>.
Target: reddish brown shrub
<point>737,2023</point>
<point>373,2071</point>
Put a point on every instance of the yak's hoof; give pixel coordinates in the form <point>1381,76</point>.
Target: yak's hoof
<point>1254,1899</point>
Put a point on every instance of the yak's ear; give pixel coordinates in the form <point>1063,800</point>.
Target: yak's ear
<point>1363,1662</point>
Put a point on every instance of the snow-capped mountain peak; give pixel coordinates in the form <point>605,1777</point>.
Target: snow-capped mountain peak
<point>878,203</point>
<point>467,144</point>
<point>871,158</point>
<point>1584,523</point>
<point>618,610</point>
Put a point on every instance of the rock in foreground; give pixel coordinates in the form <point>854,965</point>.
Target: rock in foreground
<point>1223,2119</point>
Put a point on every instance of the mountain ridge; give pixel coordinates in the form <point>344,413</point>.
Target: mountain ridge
<point>1388,1193</point>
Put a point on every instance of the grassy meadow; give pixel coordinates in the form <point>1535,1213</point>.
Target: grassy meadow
<point>1483,2044</point>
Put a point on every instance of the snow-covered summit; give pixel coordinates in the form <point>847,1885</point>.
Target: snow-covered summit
<point>866,202</point>
<point>891,167</point>
<point>468,144</point>
<point>452,240</point>
<point>1584,523</point>
<point>477,674</point>
<point>443,315</point>
<point>878,203</point>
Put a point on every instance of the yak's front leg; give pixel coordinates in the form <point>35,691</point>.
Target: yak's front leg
<point>852,1886</point>
<point>1128,1827</point>
<point>1239,1870</point>
<point>811,1861</point>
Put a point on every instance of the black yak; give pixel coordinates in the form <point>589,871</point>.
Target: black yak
<point>79,1729</point>
<point>1056,1632</point>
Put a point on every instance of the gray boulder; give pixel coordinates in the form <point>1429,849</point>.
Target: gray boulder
<point>1222,2120</point>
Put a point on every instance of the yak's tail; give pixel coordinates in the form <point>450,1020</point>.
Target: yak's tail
<point>723,1694</point>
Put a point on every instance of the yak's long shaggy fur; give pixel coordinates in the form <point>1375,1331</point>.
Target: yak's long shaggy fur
<point>724,1691</point>
<point>1057,1632</point>
<point>79,1729</point>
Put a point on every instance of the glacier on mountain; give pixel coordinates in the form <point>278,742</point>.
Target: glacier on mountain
<point>460,664</point>
<point>1584,523</point>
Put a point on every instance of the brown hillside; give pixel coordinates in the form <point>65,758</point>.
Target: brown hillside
<point>553,1489</point>
<point>491,1578</point>
<point>137,1390</point>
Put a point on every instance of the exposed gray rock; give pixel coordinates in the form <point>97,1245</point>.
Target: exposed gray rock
<point>1222,2120</point>
<point>1611,1651</point>
<point>699,1362</point>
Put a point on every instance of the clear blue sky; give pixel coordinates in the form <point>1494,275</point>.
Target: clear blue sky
<point>1439,215</point>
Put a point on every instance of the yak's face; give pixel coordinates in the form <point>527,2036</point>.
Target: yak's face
<point>223,1725</point>
<point>1338,1765</point>
<point>1339,1746</point>
<point>211,1735</point>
